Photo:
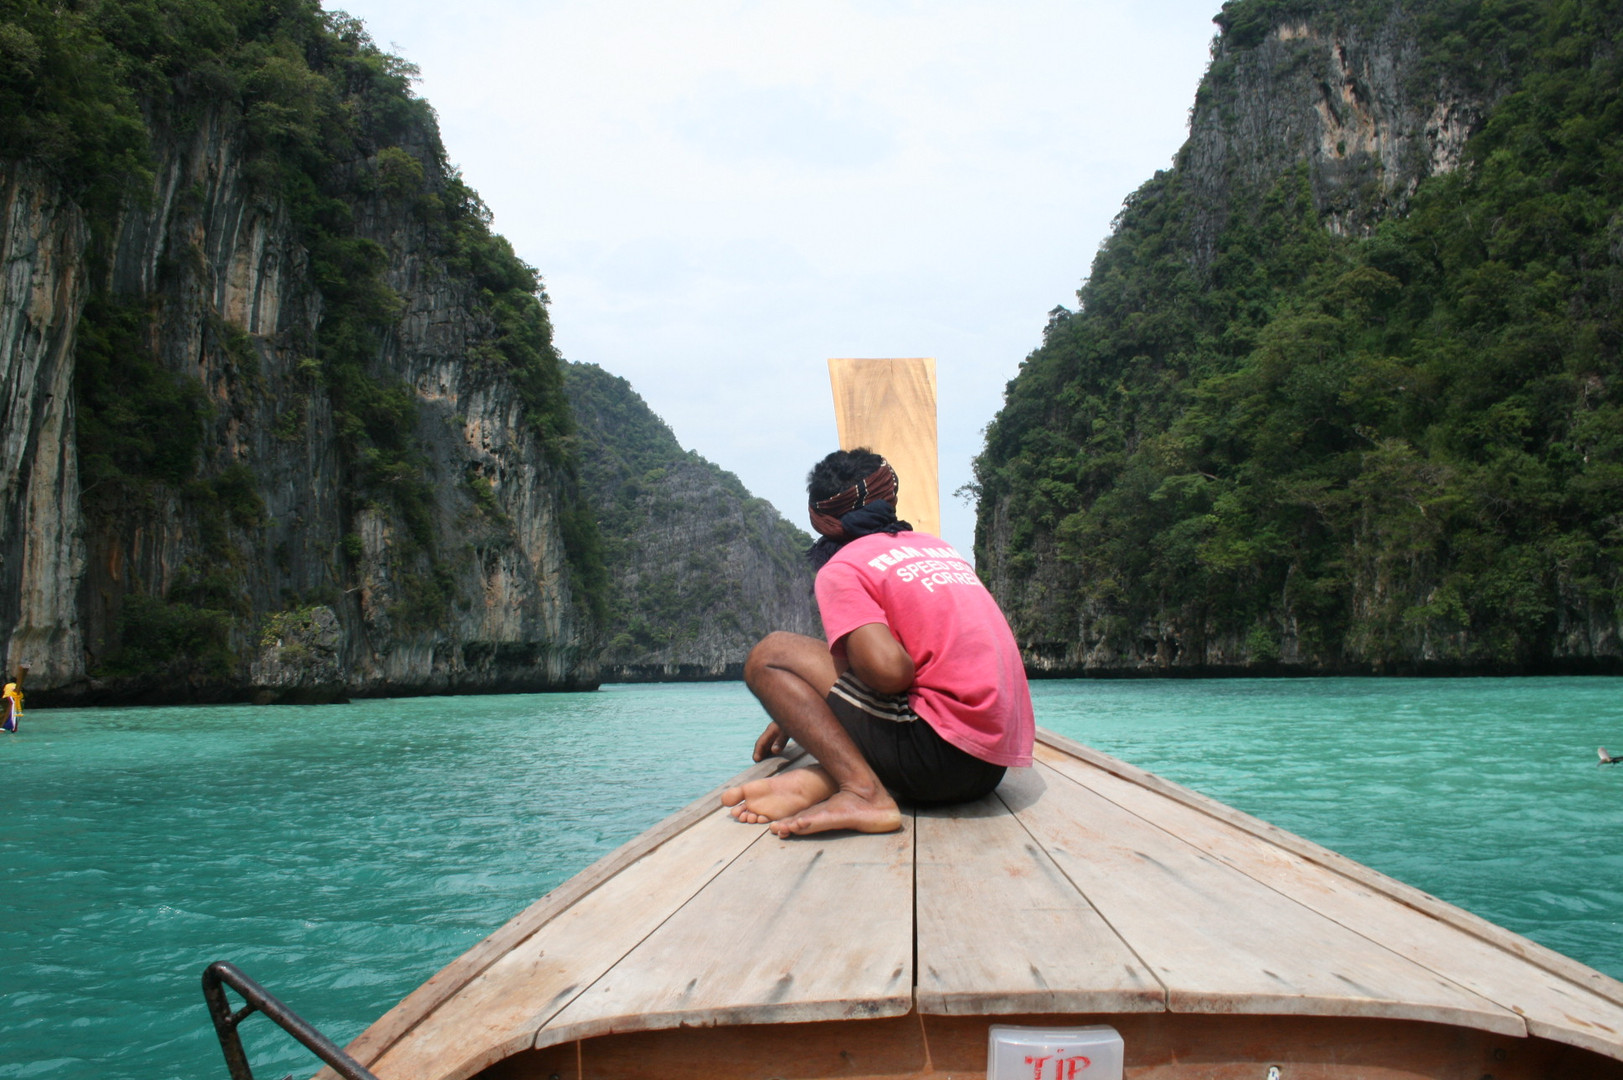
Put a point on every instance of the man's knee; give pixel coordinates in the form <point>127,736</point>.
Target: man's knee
<point>783,651</point>
<point>769,652</point>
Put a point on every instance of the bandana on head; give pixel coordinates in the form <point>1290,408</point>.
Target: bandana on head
<point>868,506</point>
<point>879,485</point>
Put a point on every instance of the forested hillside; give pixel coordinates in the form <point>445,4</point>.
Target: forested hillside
<point>698,570</point>
<point>1342,390</point>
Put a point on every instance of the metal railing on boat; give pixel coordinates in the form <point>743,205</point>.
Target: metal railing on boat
<point>220,974</point>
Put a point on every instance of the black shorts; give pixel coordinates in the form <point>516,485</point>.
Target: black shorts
<point>914,762</point>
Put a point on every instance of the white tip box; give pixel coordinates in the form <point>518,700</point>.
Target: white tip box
<point>1075,1053</point>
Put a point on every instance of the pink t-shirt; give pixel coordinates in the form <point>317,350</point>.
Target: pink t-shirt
<point>969,683</point>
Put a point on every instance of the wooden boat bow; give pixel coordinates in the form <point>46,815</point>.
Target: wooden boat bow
<point>1084,891</point>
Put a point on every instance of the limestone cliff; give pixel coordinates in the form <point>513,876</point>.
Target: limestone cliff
<point>285,422</point>
<point>1342,391</point>
<point>699,570</point>
<point>42,554</point>
<point>1357,102</point>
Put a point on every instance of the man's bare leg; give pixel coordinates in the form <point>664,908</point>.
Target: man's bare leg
<point>792,675</point>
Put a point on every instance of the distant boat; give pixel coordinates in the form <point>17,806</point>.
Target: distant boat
<point>1083,891</point>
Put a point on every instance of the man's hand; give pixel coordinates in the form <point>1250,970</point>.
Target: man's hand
<point>771,742</point>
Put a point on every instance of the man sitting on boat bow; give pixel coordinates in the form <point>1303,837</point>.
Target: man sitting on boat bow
<point>919,691</point>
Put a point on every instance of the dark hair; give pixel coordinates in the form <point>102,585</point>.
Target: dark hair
<point>839,471</point>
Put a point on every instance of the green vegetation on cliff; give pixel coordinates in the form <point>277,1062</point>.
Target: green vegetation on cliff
<point>324,125</point>
<point>1383,449</point>
<point>697,568</point>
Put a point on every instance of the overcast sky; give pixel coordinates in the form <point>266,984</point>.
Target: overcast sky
<point>721,196</point>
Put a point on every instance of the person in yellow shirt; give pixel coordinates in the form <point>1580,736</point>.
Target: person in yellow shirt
<point>11,703</point>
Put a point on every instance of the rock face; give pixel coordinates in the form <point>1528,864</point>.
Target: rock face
<point>699,570</point>
<point>1340,392</point>
<point>299,658</point>
<point>298,553</point>
<point>1352,102</point>
<point>42,554</point>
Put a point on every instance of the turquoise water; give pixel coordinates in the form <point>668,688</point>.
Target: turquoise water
<point>341,854</point>
<point>1485,792</point>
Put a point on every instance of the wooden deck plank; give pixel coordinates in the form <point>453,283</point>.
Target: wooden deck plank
<point>498,1013</point>
<point>370,1045</point>
<point>1556,963</point>
<point>1552,1006</point>
<point>1001,929</point>
<point>1218,940</point>
<point>813,928</point>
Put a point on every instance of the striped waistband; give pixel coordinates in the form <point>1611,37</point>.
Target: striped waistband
<point>892,707</point>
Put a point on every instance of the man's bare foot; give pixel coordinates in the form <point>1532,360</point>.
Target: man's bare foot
<point>760,801</point>
<point>844,810</point>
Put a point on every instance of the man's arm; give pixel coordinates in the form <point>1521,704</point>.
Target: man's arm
<point>879,659</point>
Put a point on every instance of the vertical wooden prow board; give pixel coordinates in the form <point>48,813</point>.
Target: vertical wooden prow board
<point>889,407</point>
